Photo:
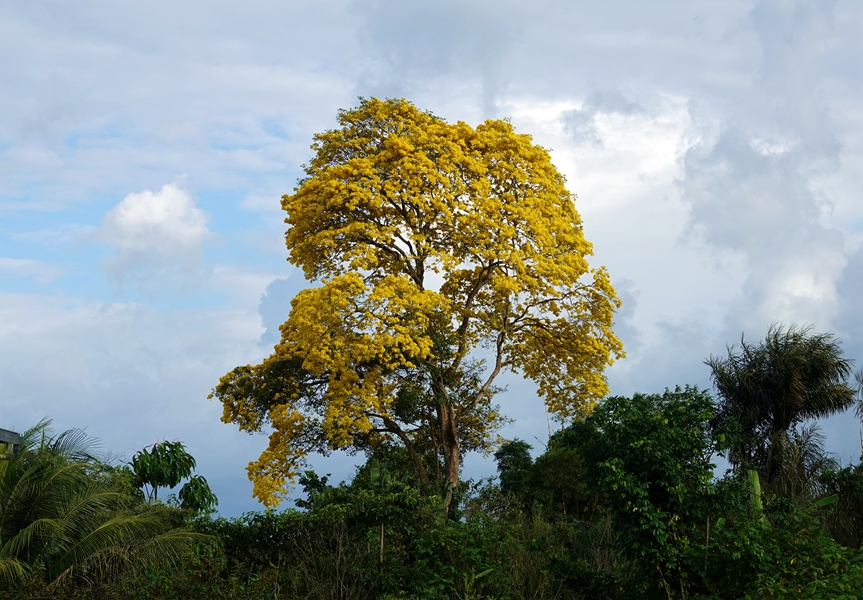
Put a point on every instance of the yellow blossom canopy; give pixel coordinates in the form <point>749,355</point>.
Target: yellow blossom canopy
<point>430,240</point>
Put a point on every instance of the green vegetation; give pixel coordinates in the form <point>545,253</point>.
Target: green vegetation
<point>624,503</point>
<point>69,523</point>
<point>166,464</point>
<point>766,390</point>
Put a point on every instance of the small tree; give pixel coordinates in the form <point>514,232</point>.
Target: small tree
<point>165,465</point>
<point>430,240</point>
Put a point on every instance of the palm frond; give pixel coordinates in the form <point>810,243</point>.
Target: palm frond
<point>12,570</point>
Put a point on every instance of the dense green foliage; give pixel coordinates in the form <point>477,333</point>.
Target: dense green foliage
<point>69,523</point>
<point>624,503</point>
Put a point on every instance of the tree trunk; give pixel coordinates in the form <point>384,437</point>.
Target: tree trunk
<point>451,459</point>
<point>777,456</point>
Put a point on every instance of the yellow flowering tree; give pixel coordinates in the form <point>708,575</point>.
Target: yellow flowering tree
<point>432,242</point>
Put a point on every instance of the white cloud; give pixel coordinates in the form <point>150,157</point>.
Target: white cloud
<point>158,240</point>
<point>27,267</point>
<point>581,123</point>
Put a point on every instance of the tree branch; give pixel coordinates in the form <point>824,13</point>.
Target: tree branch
<point>394,428</point>
<point>481,280</point>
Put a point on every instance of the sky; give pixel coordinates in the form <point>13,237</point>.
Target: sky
<point>715,148</point>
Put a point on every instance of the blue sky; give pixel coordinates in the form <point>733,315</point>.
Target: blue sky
<point>715,148</point>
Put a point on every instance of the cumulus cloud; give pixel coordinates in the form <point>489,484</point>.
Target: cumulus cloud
<point>158,240</point>
<point>755,173</point>
<point>761,205</point>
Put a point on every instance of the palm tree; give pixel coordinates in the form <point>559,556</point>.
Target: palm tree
<point>767,389</point>
<point>59,521</point>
